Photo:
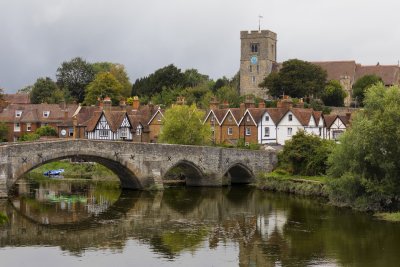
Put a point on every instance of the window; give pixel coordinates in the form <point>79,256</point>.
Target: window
<point>336,134</point>
<point>251,68</point>
<point>253,79</point>
<point>254,48</point>
<point>18,113</point>
<point>46,114</point>
<point>17,127</point>
<point>139,130</point>
<point>248,131</point>
<point>229,118</point>
<point>28,127</point>
<point>123,132</point>
<point>71,131</point>
<point>258,68</point>
<point>247,118</point>
<point>266,131</point>
<point>266,118</point>
<point>230,131</point>
<point>103,133</point>
<point>290,117</point>
<point>212,119</point>
<point>289,131</point>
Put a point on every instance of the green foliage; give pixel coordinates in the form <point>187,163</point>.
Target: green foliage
<point>193,78</point>
<point>242,144</point>
<point>3,132</point>
<point>28,137</point>
<point>333,94</point>
<point>297,78</point>
<point>1,93</point>
<point>228,94</point>
<point>389,216</point>
<point>183,125</point>
<point>3,218</point>
<point>73,76</point>
<point>305,154</point>
<point>369,152</point>
<point>45,90</point>
<point>46,131</point>
<point>167,77</point>
<point>25,90</point>
<point>105,84</point>
<point>119,72</point>
<point>317,105</point>
<point>362,84</point>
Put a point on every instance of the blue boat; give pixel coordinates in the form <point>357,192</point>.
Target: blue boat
<point>53,172</point>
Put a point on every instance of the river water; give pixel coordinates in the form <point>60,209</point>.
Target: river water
<point>65,223</point>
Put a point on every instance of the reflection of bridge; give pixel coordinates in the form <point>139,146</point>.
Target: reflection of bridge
<point>139,165</point>
<point>146,216</point>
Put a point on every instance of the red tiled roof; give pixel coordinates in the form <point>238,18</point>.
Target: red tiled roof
<point>257,113</point>
<point>17,98</point>
<point>337,69</point>
<point>303,115</point>
<point>389,73</point>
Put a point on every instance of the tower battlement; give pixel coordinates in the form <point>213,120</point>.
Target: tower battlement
<point>258,34</point>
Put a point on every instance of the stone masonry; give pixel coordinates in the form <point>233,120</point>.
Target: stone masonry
<point>138,165</point>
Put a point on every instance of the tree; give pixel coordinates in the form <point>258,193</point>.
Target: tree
<point>228,94</point>
<point>3,132</point>
<point>105,84</point>
<point>297,78</point>
<point>362,84</point>
<point>74,76</point>
<point>166,77</point>
<point>193,78</point>
<point>305,154</point>
<point>1,93</point>
<point>367,161</point>
<point>182,124</point>
<point>333,94</point>
<point>45,90</point>
<point>119,72</point>
<point>25,90</point>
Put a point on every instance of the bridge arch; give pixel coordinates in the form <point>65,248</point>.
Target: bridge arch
<point>239,173</point>
<point>186,171</point>
<point>127,177</point>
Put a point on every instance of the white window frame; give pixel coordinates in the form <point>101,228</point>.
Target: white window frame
<point>248,131</point>
<point>46,114</point>
<point>18,113</point>
<point>102,133</point>
<point>17,127</point>
<point>230,131</point>
<point>289,131</point>
<point>124,132</point>
<point>29,127</point>
<point>266,132</point>
<point>247,118</point>
<point>290,117</point>
<point>138,130</point>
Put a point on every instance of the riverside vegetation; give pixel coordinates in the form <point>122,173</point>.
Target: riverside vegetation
<point>362,171</point>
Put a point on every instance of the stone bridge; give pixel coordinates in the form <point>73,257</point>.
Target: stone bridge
<point>139,165</point>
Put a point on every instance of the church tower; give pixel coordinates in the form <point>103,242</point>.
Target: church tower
<point>257,57</point>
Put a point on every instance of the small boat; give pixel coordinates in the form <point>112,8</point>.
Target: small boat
<point>53,172</point>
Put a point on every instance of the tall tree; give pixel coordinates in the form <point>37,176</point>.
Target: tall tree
<point>193,78</point>
<point>26,90</point>
<point>367,160</point>
<point>166,77</point>
<point>105,84</point>
<point>361,86</point>
<point>333,94</point>
<point>297,78</point>
<point>119,72</point>
<point>183,125</point>
<point>45,90</point>
<point>74,76</point>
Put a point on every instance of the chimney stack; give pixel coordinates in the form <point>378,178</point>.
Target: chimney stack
<point>135,103</point>
<point>107,103</point>
<point>261,104</point>
<point>214,103</point>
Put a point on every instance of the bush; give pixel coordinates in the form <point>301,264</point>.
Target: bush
<point>305,154</point>
<point>46,131</point>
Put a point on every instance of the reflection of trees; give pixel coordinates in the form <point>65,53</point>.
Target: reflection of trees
<point>267,228</point>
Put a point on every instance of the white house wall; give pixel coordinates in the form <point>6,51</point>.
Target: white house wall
<point>262,139</point>
<point>284,125</point>
<point>312,127</point>
<point>337,125</point>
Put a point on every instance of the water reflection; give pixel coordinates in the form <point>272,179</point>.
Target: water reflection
<point>234,226</point>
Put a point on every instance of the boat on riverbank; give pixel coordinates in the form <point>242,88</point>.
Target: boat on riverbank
<point>51,173</point>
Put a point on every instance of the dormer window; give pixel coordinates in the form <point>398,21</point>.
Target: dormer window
<point>46,114</point>
<point>18,113</point>
<point>290,117</point>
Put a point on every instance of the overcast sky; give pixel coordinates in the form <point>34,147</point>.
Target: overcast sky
<point>36,36</point>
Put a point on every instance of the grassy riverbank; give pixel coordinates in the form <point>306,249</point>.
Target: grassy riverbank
<point>78,170</point>
<point>294,184</point>
<point>388,216</point>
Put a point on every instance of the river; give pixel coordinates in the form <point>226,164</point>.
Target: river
<point>81,223</point>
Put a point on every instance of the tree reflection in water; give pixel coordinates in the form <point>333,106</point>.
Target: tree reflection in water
<point>268,229</point>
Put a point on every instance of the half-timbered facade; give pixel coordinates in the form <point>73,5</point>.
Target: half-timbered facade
<point>109,125</point>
